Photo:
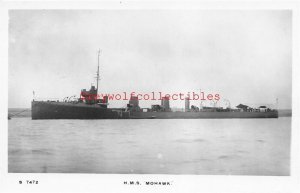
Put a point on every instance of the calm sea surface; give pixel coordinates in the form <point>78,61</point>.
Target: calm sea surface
<point>195,146</point>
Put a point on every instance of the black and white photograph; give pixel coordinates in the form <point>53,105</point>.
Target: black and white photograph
<point>150,92</point>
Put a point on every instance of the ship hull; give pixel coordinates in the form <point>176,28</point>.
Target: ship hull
<point>60,110</point>
<point>204,115</point>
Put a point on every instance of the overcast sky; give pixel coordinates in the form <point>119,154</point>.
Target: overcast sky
<point>245,56</point>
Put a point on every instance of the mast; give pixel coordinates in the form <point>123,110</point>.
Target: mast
<point>98,70</point>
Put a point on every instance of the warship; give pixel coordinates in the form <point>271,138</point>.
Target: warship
<point>91,106</point>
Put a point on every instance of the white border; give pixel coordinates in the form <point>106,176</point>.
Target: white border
<point>181,183</point>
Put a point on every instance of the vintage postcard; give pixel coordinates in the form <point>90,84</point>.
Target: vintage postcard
<point>129,96</point>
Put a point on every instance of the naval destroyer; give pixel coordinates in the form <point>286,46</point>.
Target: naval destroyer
<point>90,106</point>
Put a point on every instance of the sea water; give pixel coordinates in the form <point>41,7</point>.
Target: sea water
<point>150,146</point>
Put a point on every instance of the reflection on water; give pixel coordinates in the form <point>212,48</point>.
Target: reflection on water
<point>194,146</point>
